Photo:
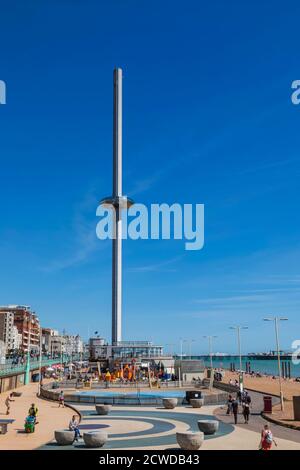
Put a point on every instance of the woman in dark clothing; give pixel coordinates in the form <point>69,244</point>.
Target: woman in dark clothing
<point>235,409</point>
<point>229,405</point>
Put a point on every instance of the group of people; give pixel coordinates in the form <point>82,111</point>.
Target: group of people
<point>242,398</point>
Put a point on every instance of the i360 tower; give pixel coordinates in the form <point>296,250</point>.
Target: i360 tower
<point>117,202</point>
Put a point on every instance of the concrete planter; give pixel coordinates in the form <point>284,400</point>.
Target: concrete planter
<point>169,403</point>
<point>95,438</point>
<point>190,440</point>
<point>196,402</point>
<point>64,438</point>
<point>208,426</point>
<point>103,409</point>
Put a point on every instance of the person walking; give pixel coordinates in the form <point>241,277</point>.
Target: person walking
<point>73,426</point>
<point>235,409</point>
<point>246,412</point>
<point>267,438</point>
<point>229,405</point>
<point>61,399</point>
<point>246,398</point>
<point>7,403</point>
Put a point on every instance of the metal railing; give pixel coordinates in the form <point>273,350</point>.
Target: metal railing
<point>9,369</point>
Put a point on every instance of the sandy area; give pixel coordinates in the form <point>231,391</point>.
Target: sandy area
<point>50,417</point>
<point>267,384</point>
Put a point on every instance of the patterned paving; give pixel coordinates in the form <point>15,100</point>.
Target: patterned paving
<point>141,428</point>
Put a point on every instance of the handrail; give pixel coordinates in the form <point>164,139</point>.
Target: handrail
<point>34,364</point>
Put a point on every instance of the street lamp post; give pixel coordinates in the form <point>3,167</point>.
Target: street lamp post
<point>40,363</point>
<point>276,321</point>
<point>181,346</point>
<point>61,360</point>
<point>238,330</point>
<point>210,338</point>
<point>27,370</point>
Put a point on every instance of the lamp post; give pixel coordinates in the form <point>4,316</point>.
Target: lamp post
<point>238,329</point>
<point>40,363</point>
<point>181,346</point>
<point>61,359</point>
<point>27,370</point>
<point>276,321</point>
<point>210,338</point>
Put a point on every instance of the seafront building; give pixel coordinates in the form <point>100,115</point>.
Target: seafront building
<point>100,349</point>
<point>97,348</point>
<point>57,346</point>
<point>73,345</point>
<point>2,352</point>
<point>20,331</point>
<point>27,324</point>
<point>47,334</point>
<point>9,333</point>
<point>143,354</point>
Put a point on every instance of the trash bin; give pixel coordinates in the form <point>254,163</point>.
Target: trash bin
<point>35,377</point>
<point>267,404</point>
<point>192,394</point>
<point>296,406</point>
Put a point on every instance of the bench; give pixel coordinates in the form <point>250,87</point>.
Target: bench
<point>3,425</point>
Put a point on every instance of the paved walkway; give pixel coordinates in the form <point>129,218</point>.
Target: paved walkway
<point>154,428</point>
<point>256,422</point>
<point>136,427</point>
<point>50,417</point>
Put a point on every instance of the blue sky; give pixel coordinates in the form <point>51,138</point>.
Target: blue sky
<point>207,119</point>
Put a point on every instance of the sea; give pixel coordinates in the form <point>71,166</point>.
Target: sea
<point>263,366</point>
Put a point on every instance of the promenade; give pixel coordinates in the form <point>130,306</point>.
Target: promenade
<point>256,421</point>
<point>50,417</point>
<point>154,428</point>
<point>268,385</point>
<point>134,427</point>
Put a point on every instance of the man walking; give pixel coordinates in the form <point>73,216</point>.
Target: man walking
<point>246,412</point>
<point>235,409</point>
<point>229,405</point>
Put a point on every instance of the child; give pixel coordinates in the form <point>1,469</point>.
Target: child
<point>61,399</point>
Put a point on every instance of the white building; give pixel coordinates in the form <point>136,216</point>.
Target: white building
<point>97,348</point>
<point>16,339</point>
<point>9,332</point>
<point>73,344</point>
<point>57,345</point>
<point>47,334</point>
<point>2,352</point>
